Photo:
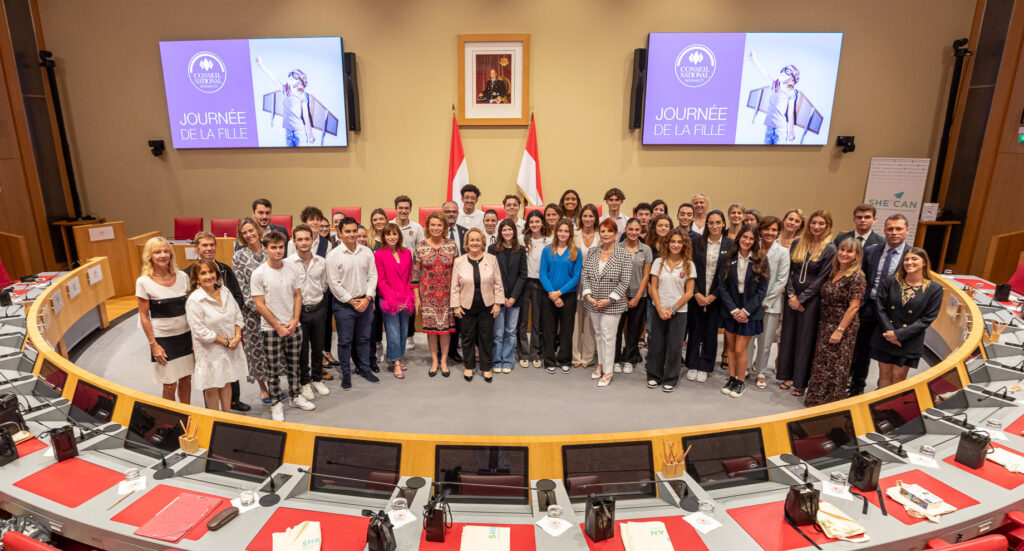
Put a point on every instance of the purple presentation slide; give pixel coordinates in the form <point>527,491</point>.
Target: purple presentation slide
<point>740,88</point>
<point>275,92</point>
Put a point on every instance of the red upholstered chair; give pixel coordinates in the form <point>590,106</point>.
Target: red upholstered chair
<point>1017,280</point>
<point>600,210</point>
<point>16,541</point>
<point>391,214</point>
<point>738,464</point>
<point>994,542</point>
<point>529,209</point>
<point>812,447</point>
<point>354,212</point>
<point>224,227</point>
<point>282,220</point>
<point>424,213</point>
<point>187,228</point>
<point>575,483</point>
<point>1013,529</point>
<point>387,480</point>
<point>497,208</point>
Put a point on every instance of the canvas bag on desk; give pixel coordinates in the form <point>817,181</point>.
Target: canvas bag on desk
<point>304,536</point>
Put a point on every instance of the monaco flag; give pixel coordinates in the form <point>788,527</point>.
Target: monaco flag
<point>529,169</point>
<point>458,174</point>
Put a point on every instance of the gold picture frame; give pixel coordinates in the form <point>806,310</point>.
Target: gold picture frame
<point>494,80</point>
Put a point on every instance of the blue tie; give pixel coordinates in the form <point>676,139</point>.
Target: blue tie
<point>884,273</point>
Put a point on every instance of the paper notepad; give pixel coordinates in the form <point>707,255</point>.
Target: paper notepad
<point>1011,461</point>
<point>486,538</point>
<point>178,517</point>
<point>645,536</point>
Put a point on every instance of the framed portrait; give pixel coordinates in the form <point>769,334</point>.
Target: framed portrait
<point>494,79</point>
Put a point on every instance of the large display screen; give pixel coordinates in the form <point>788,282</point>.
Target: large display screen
<point>740,88</point>
<point>270,92</point>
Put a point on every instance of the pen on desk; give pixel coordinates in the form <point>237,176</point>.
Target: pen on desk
<point>124,497</point>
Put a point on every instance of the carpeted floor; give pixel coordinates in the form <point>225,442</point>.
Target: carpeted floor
<point>526,401</point>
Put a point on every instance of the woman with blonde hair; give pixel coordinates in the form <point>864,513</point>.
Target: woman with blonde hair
<point>837,331</point>
<point>161,291</point>
<point>375,233</point>
<point>810,261</point>
<point>792,225</point>
<point>735,214</point>
<point>247,258</point>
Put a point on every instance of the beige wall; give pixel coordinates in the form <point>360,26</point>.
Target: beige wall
<point>893,81</point>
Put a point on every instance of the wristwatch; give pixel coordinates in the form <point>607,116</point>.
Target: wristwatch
<point>674,308</point>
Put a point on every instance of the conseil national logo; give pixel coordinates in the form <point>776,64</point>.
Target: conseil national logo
<point>695,66</point>
<point>207,72</point>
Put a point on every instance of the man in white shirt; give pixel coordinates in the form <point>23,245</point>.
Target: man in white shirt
<point>352,277</point>
<point>701,207</point>
<point>614,198</point>
<point>470,217</point>
<point>863,220</point>
<point>314,218</point>
<point>512,203</point>
<point>412,232</point>
<point>275,288</point>
<point>312,270</point>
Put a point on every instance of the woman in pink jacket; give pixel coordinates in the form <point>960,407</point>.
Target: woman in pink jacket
<point>398,302</point>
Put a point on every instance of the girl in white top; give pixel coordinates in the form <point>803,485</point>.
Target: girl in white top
<point>671,288</point>
<point>583,344</point>
<point>161,291</point>
<point>216,324</point>
<point>535,239</point>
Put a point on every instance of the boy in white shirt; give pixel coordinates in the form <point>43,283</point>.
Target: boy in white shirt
<point>470,216</point>
<point>412,232</point>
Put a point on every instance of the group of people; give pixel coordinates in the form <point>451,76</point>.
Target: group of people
<point>566,287</point>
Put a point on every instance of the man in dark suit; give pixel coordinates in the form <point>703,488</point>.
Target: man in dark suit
<point>457,233</point>
<point>495,90</point>
<point>206,249</point>
<point>863,219</point>
<point>880,262</point>
<point>261,213</point>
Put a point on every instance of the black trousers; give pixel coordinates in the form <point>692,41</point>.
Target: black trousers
<point>664,345</point>
<point>796,347</point>
<point>702,341</point>
<point>477,334</point>
<point>377,331</point>
<point>456,339</point>
<point>328,328</point>
<point>311,352</point>
<point>862,348</point>
<point>631,327</point>
<point>558,323</point>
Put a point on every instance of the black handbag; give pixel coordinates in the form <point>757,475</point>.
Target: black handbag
<point>380,534</point>
<point>62,441</point>
<point>9,412</point>
<point>1002,293</point>
<point>599,523</point>
<point>437,519</point>
<point>864,471</point>
<point>973,448</point>
<point>8,449</point>
<point>802,505</point>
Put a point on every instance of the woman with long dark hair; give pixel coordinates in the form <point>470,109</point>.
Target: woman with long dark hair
<point>705,313</point>
<point>531,342</point>
<point>744,284</point>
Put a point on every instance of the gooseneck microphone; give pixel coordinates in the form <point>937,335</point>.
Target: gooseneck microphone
<point>999,393</point>
<point>767,468</point>
<point>952,418</point>
<point>885,443</point>
<point>687,501</point>
<point>268,500</point>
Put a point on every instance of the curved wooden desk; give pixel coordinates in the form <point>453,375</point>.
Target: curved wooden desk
<point>959,315</point>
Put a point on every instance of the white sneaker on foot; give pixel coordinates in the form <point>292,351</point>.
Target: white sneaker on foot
<point>617,368</point>
<point>307,392</point>
<point>321,388</point>
<point>691,375</point>
<point>507,369</point>
<point>410,344</point>
<point>537,363</point>
<point>277,412</point>
<point>302,403</point>
<point>702,376</point>
<point>627,367</point>
<point>524,363</point>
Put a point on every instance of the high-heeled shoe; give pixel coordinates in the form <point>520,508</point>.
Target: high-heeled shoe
<point>468,378</point>
<point>445,372</point>
<point>488,378</point>
<point>432,373</point>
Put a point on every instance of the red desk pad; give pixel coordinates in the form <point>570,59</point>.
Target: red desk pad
<point>30,446</point>
<point>976,283</point>
<point>992,472</point>
<point>896,511</point>
<point>523,538</point>
<point>682,534</point>
<point>71,482</point>
<point>766,524</point>
<point>337,532</point>
<point>1016,427</point>
<point>153,501</point>
<point>187,512</point>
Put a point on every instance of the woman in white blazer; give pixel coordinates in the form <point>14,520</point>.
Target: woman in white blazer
<point>778,271</point>
<point>477,297</point>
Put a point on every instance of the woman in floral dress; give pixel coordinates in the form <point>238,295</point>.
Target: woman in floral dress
<point>841,295</point>
<point>433,270</point>
<point>247,259</point>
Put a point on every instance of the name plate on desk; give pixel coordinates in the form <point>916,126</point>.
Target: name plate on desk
<point>75,286</point>
<point>95,275</point>
<point>104,233</point>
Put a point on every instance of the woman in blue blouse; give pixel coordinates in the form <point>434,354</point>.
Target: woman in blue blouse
<point>560,266</point>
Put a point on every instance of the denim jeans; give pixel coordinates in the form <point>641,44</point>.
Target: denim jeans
<point>505,336</point>
<point>395,325</point>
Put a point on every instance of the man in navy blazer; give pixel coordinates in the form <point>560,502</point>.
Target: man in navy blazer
<point>888,255</point>
<point>863,220</point>
<point>450,210</point>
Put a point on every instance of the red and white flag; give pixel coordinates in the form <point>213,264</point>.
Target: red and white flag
<point>529,169</point>
<point>458,173</point>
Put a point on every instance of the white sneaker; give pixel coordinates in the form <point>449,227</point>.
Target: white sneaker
<point>627,367</point>
<point>537,363</point>
<point>277,412</point>
<point>410,344</point>
<point>566,369</point>
<point>321,388</point>
<point>524,363</point>
<point>691,375</point>
<point>307,392</point>
<point>302,403</point>
<point>617,368</point>
<point>507,369</point>
<point>702,376</point>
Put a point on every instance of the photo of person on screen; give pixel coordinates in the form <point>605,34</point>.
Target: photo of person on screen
<point>780,115</point>
<point>297,113</point>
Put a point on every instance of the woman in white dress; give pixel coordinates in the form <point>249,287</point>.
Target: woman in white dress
<point>216,323</point>
<point>161,291</point>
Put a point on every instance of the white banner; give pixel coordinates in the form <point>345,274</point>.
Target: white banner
<point>896,186</point>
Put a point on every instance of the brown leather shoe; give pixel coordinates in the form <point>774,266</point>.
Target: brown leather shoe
<point>327,377</point>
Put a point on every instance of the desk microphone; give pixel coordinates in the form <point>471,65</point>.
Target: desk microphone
<point>995,394</point>
<point>952,418</point>
<point>687,502</point>
<point>885,443</point>
<point>408,491</point>
<point>83,433</point>
<point>268,500</point>
<point>771,468</point>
